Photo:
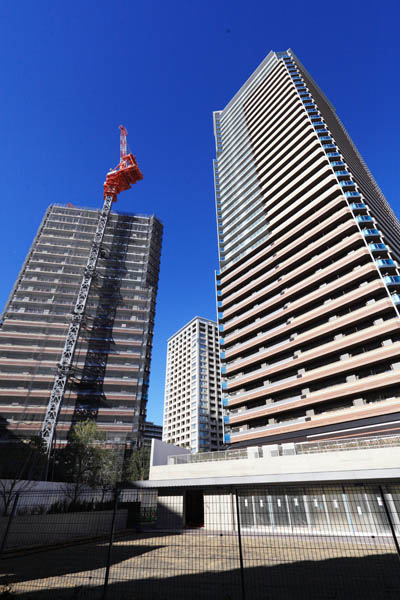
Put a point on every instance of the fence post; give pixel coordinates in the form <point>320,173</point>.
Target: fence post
<point>389,518</point>
<point>10,520</point>
<point>110,544</point>
<point>240,546</point>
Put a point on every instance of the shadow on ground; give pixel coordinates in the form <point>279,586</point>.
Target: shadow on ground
<point>374,577</point>
<point>68,560</point>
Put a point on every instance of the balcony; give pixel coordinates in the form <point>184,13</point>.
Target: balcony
<point>333,155</point>
<point>264,409</point>
<point>347,183</point>
<point>386,263</point>
<point>368,233</point>
<point>352,195</point>
<point>337,163</point>
<point>255,430</point>
<point>396,298</point>
<point>358,206</point>
<point>392,280</point>
<point>364,220</point>
<point>378,247</point>
<point>330,147</point>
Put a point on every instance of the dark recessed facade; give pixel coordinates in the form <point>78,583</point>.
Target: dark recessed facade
<point>110,374</point>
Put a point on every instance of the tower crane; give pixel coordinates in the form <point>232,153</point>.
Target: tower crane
<point>119,179</point>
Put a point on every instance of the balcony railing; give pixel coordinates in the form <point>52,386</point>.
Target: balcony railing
<point>392,280</point>
<point>385,262</point>
<point>364,219</point>
<point>378,247</point>
<point>371,233</point>
<point>285,449</point>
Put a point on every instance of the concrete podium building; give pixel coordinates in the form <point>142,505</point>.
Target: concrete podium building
<point>309,274</point>
<point>111,367</point>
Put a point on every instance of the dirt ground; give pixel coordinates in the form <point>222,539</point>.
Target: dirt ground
<point>198,565</point>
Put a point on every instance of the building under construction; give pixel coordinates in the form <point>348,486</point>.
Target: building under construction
<point>109,373</point>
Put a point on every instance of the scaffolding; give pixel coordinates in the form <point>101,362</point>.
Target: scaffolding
<point>125,174</point>
<point>65,364</point>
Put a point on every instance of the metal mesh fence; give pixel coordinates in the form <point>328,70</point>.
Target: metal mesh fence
<point>244,543</point>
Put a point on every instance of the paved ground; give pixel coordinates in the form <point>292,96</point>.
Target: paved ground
<point>196,565</point>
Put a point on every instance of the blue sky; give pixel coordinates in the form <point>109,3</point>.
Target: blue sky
<point>72,72</point>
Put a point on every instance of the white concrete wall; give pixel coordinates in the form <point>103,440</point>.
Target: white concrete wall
<point>42,530</point>
<point>219,511</point>
<point>368,460</point>
<point>160,451</point>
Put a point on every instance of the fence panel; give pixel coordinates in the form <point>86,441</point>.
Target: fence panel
<point>318,542</point>
<point>245,543</point>
<point>175,554</point>
<point>57,548</point>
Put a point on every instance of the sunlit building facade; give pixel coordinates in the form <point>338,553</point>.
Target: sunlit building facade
<point>192,401</point>
<point>307,288</point>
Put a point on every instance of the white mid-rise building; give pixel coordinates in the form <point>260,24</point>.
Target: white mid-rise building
<point>192,401</point>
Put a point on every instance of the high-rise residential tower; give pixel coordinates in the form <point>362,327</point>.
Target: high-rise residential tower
<point>192,402</point>
<point>109,379</point>
<point>309,271</point>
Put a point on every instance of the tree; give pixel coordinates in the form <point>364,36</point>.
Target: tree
<point>109,472</point>
<point>21,464</point>
<point>137,465</point>
<point>85,462</point>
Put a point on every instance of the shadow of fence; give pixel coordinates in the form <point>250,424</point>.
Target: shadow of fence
<point>248,548</point>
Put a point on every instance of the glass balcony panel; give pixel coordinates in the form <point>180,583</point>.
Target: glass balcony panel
<point>378,247</point>
<point>385,262</point>
<point>392,280</point>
